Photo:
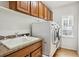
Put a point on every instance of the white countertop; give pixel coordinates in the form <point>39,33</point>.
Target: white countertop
<point>5,51</point>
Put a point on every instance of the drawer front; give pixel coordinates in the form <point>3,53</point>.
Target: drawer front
<point>21,53</point>
<point>37,53</point>
<point>35,46</point>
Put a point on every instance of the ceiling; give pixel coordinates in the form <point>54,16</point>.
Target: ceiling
<point>55,4</point>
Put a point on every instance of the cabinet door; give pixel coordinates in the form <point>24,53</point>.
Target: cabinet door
<point>41,10</point>
<point>49,15</point>
<point>37,53</point>
<point>34,8</point>
<point>12,5</point>
<point>35,46</point>
<point>45,13</point>
<point>23,6</point>
<point>21,53</point>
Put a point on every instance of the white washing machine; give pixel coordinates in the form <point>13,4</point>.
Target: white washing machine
<point>45,31</point>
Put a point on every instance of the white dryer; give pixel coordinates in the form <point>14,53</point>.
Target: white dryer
<point>45,31</point>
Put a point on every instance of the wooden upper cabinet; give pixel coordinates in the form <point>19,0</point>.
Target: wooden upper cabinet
<point>34,8</point>
<point>45,13</point>
<point>41,10</point>
<point>49,15</point>
<point>13,5</point>
<point>23,6</point>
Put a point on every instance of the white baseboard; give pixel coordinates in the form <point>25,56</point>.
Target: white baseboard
<point>44,56</point>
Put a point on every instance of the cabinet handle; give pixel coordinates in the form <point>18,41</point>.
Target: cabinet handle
<point>45,42</point>
<point>27,56</point>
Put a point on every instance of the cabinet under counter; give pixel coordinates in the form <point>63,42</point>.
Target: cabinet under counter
<point>23,51</point>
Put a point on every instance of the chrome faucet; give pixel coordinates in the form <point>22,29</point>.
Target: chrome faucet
<point>5,38</point>
<point>16,34</point>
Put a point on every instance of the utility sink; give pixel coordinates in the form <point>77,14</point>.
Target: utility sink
<point>16,42</point>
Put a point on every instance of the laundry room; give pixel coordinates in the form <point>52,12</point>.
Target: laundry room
<point>39,29</point>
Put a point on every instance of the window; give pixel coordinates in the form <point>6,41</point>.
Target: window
<point>67,26</point>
